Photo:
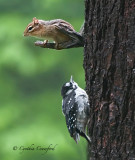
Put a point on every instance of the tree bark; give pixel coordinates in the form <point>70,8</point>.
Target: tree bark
<point>109,63</point>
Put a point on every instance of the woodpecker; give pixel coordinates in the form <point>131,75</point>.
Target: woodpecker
<point>76,109</point>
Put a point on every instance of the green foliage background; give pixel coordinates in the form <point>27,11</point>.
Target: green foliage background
<point>31,80</point>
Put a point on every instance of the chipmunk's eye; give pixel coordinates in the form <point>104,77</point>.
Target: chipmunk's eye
<point>30,28</point>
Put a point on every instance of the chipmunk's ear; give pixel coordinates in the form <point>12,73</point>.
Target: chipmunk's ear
<point>35,20</point>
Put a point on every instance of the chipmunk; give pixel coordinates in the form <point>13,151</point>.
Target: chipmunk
<point>57,30</point>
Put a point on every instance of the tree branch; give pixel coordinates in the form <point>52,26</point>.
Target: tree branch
<point>52,45</point>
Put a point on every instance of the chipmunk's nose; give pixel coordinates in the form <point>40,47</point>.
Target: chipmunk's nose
<point>25,34</point>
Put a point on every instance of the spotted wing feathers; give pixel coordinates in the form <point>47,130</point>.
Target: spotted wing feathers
<point>70,111</point>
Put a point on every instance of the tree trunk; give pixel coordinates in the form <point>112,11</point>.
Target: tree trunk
<point>109,63</point>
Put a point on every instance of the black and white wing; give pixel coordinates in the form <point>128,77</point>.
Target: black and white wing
<point>69,109</point>
<point>67,103</point>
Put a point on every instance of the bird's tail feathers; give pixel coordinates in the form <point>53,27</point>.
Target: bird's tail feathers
<point>81,133</point>
<point>76,137</point>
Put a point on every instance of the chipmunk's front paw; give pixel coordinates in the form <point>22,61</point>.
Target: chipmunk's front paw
<point>45,42</point>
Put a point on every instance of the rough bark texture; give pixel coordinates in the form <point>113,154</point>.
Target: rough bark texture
<point>109,63</point>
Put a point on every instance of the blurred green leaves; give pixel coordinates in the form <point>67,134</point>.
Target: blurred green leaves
<point>31,80</point>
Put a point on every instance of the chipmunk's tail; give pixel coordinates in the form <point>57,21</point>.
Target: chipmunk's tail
<point>77,39</point>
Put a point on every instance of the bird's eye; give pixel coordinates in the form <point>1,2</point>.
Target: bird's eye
<point>30,28</point>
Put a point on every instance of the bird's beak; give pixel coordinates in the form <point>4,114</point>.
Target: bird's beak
<point>71,79</point>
